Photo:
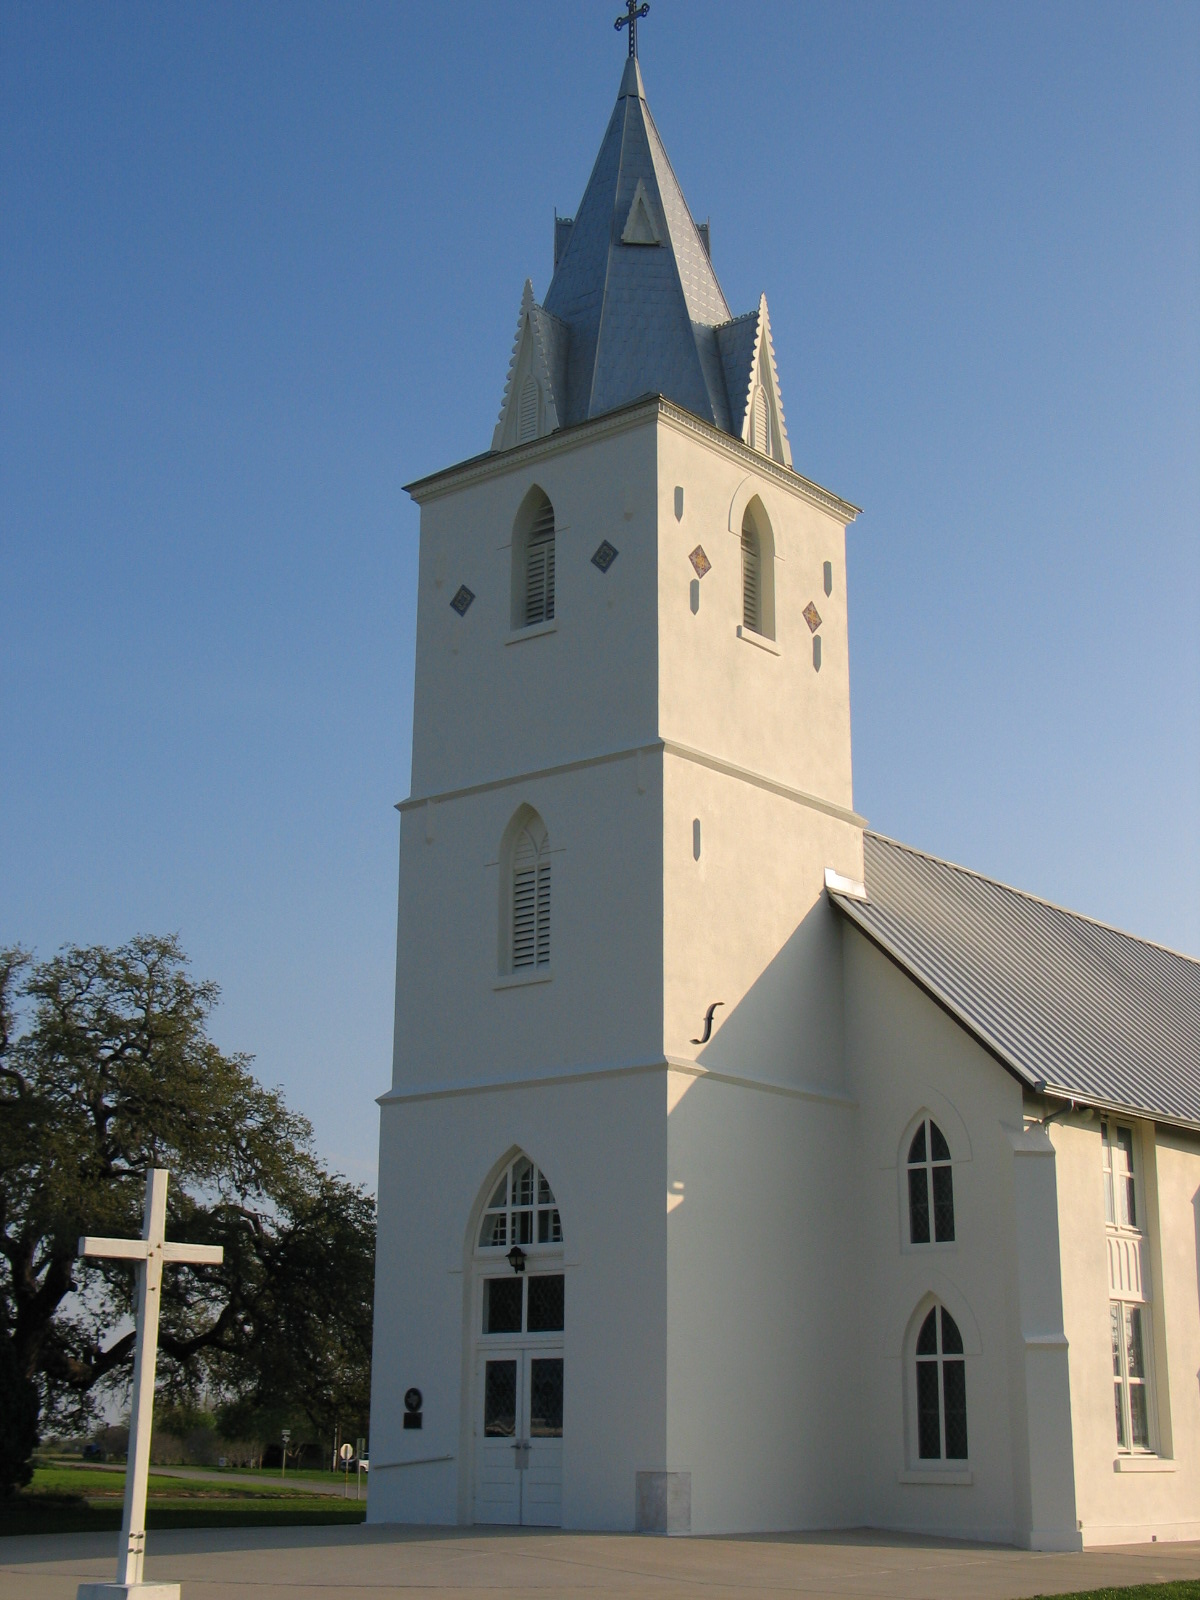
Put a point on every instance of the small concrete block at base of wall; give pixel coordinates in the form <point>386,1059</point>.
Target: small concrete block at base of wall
<point>664,1502</point>
<point>128,1591</point>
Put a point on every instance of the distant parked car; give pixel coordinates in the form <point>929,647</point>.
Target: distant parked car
<point>92,1451</point>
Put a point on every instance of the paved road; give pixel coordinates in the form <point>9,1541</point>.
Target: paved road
<point>472,1564</point>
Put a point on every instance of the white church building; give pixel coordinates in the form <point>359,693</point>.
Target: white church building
<point>742,1169</point>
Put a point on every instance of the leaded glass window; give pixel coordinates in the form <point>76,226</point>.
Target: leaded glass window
<point>500,1400</point>
<point>941,1389</point>
<point>930,1186</point>
<point>546,1397</point>
<point>521,1210</point>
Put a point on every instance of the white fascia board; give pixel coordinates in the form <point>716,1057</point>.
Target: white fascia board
<point>493,463</point>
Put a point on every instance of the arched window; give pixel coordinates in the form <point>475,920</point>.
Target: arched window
<point>941,1389</point>
<point>524,1215</point>
<point>527,412</point>
<point>526,912</point>
<point>533,561</point>
<point>930,1186</point>
<point>758,579</point>
<point>521,1210</point>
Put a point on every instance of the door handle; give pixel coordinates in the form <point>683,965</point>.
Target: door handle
<point>521,1446</point>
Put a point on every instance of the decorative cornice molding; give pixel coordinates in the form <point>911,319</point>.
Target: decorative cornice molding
<point>628,1069</point>
<point>496,462</point>
<point>682,752</point>
<point>785,791</point>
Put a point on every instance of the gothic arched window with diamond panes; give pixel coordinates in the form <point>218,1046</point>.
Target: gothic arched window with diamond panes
<point>930,1186</point>
<point>941,1389</point>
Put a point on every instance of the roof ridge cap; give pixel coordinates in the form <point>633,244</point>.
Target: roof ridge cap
<point>1027,894</point>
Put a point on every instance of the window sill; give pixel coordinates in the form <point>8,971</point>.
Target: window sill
<point>1143,1464</point>
<point>534,631</point>
<point>949,1476</point>
<point>760,639</point>
<point>521,980</point>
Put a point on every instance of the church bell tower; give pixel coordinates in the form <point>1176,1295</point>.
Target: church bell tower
<point>618,1066</point>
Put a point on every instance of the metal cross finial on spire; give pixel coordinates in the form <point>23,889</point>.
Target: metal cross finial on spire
<point>630,21</point>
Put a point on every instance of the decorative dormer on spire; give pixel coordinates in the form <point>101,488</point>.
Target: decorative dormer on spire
<point>634,307</point>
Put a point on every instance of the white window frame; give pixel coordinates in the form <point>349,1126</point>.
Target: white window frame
<point>908,1243</point>
<point>541,1213</point>
<point>534,547</point>
<point>1122,1312</point>
<point>756,569</point>
<point>1121,1175</point>
<point>940,1469</point>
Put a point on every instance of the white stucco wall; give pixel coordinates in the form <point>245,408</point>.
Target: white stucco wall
<point>904,1056</point>
<point>1163,1502</point>
<point>758,1297</point>
<point>602,1144</point>
<point>764,709</point>
<point>491,701</point>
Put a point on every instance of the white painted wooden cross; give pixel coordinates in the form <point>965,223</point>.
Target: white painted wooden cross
<point>152,1252</point>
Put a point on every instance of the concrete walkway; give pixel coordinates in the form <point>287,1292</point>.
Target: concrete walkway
<point>363,1563</point>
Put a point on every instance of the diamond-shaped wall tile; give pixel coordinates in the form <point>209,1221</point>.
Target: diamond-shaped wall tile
<point>605,555</point>
<point>700,561</point>
<point>462,600</point>
<point>812,616</point>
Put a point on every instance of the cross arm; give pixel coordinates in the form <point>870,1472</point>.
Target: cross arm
<point>195,1255</point>
<point>122,1249</point>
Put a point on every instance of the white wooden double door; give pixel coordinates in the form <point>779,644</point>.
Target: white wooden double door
<point>518,1436</point>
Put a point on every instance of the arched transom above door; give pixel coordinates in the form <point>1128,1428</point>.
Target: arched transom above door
<point>521,1210</point>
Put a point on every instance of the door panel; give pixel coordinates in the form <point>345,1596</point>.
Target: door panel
<point>497,1481</point>
<point>518,1457</point>
<point>543,1416</point>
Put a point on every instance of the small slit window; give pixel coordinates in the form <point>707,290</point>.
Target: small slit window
<point>930,1186</point>
<point>941,1389</point>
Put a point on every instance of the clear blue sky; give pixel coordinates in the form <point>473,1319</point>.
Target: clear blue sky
<point>260,266</point>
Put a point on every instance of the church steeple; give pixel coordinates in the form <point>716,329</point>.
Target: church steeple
<point>635,308</point>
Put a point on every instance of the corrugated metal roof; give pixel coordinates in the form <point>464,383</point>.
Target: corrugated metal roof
<point>1071,1005</point>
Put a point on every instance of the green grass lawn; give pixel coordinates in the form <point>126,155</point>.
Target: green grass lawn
<point>1188,1590</point>
<point>73,1499</point>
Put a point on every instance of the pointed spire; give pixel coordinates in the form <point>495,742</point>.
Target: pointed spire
<point>631,81</point>
<point>634,306</point>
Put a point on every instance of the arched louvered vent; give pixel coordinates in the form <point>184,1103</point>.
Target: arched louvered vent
<point>760,422</point>
<point>527,414</point>
<point>751,580</point>
<point>539,567</point>
<point>531,899</point>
